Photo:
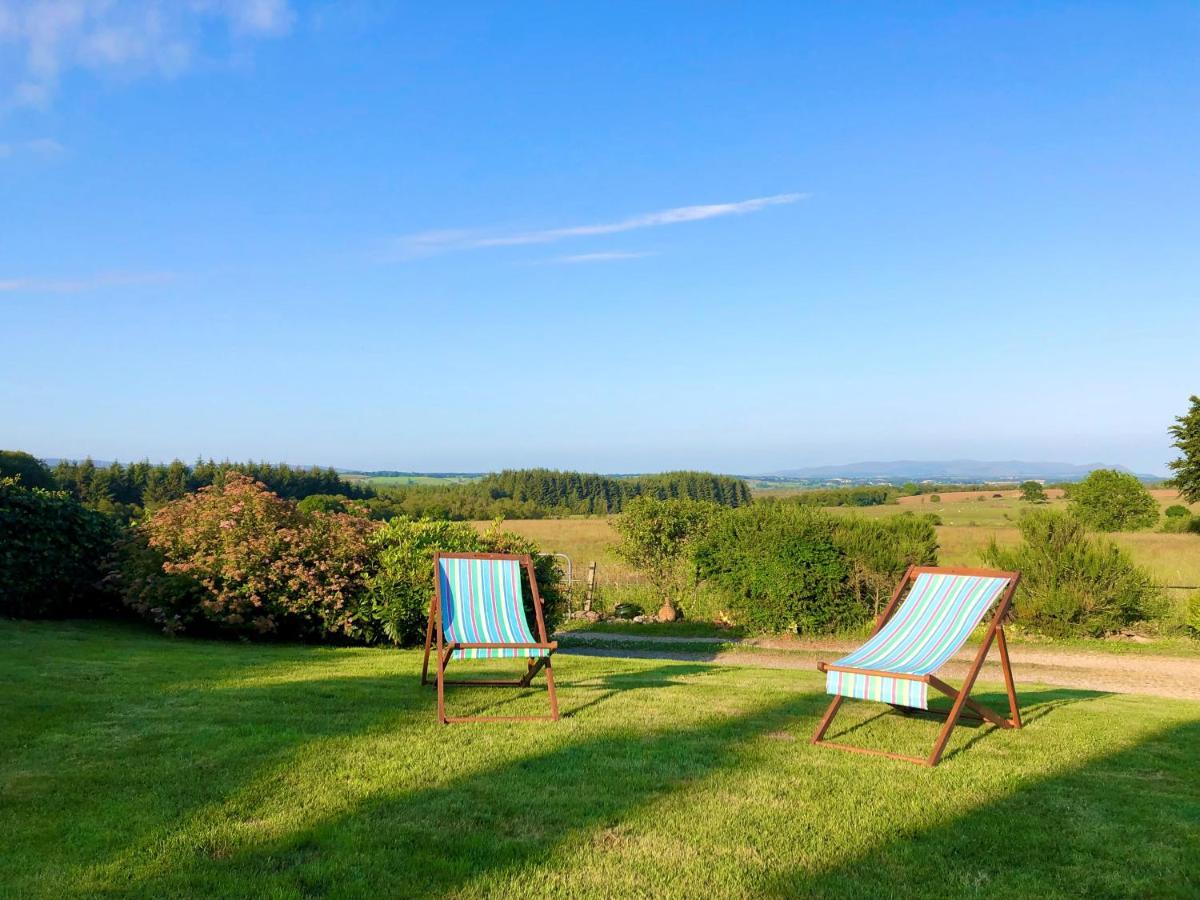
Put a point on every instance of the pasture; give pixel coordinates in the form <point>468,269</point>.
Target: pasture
<point>136,764</point>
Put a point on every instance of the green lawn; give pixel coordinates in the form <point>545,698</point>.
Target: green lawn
<point>132,763</point>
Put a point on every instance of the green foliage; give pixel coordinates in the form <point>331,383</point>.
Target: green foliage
<point>880,550</point>
<point>53,554</point>
<point>30,471</point>
<point>779,567</point>
<point>657,537</point>
<point>397,605</point>
<point>935,498</point>
<point>125,490</point>
<point>1033,492</point>
<point>328,503</point>
<point>258,564</point>
<point>1074,584</point>
<point>1186,432</point>
<point>1108,500</point>
<point>848,496</point>
<point>1193,614</point>
<point>538,493</point>
<point>1179,520</point>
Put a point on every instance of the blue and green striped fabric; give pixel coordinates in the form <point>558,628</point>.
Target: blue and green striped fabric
<point>933,622</point>
<point>482,604</point>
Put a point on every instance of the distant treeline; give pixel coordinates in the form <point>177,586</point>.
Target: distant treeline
<point>544,493</point>
<point>126,488</point>
<point>849,496</point>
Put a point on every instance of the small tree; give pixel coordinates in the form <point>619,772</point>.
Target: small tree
<point>1073,583</point>
<point>1109,500</point>
<point>1186,432</point>
<point>31,471</point>
<point>1033,492</point>
<point>657,537</point>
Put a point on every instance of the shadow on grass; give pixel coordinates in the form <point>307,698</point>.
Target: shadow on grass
<point>489,824</point>
<point>1124,825</point>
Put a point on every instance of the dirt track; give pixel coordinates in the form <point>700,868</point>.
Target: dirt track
<point>1132,673</point>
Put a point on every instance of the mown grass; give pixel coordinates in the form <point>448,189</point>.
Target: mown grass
<point>136,764</point>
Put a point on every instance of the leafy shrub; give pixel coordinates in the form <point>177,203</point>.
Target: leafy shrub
<point>255,564</point>
<point>1193,614</point>
<point>1180,524</point>
<point>53,553</point>
<point>397,605</point>
<point>1074,584</point>
<point>935,498</point>
<point>1108,500</point>
<point>30,471</point>
<point>1033,492</point>
<point>657,537</point>
<point>1178,511</point>
<point>779,567</point>
<point>880,550</point>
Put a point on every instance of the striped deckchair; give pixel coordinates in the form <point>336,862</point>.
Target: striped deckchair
<point>911,641</point>
<point>478,612</point>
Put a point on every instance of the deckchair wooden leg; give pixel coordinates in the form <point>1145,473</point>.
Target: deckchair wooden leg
<point>441,689</point>
<point>535,666</point>
<point>550,687</point>
<point>1014,710</point>
<point>827,719</point>
<point>428,646</point>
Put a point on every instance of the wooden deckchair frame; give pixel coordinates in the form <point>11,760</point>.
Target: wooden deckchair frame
<point>446,648</point>
<point>961,697</point>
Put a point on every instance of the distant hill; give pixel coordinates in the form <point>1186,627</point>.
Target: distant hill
<point>953,470</point>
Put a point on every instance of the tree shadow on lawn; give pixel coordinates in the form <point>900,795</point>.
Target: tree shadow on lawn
<point>462,829</point>
<point>234,741</point>
<point>1124,824</point>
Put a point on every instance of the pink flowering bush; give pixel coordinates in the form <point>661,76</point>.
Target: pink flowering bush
<point>237,558</point>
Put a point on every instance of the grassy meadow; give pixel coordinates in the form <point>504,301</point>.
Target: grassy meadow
<point>135,764</point>
<point>968,524</point>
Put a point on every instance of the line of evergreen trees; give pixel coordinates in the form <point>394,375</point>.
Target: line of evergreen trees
<point>544,493</point>
<point>120,488</point>
<point>126,490</point>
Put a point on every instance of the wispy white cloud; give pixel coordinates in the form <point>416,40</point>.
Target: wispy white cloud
<point>43,39</point>
<point>42,148</point>
<point>79,285</point>
<point>429,242</point>
<point>602,256</point>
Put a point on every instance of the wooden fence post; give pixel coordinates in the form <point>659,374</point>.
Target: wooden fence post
<point>591,586</point>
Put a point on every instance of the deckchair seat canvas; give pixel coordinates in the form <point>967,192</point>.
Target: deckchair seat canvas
<point>936,619</point>
<point>482,604</point>
<point>911,641</point>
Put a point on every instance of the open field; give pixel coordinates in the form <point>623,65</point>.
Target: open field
<point>1173,558</point>
<point>132,763</point>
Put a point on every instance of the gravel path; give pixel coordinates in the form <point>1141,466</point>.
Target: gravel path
<point>1131,673</point>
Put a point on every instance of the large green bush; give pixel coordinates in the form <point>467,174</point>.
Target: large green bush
<point>880,550</point>
<point>779,567</point>
<point>53,554</point>
<point>397,605</point>
<point>1074,583</point>
<point>1108,500</point>
<point>783,566</point>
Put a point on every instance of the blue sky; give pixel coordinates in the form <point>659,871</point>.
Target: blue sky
<point>614,237</point>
